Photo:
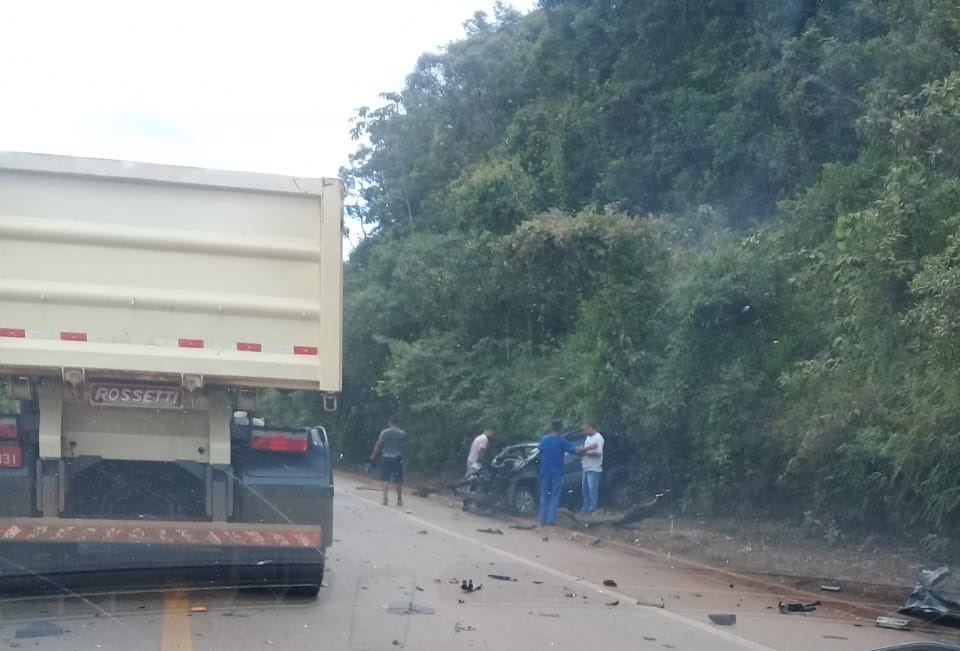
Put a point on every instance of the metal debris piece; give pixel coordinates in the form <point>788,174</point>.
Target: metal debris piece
<point>491,530</point>
<point>610,583</point>
<point>501,577</point>
<point>893,622</point>
<point>830,588</point>
<point>407,608</point>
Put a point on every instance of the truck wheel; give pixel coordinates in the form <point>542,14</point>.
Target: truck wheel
<point>525,499</point>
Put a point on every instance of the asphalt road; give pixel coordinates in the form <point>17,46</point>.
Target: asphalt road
<point>394,582</point>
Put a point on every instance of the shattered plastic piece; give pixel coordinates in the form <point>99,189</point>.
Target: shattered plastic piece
<point>38,629</point>
<point>523,527</point>
<point>501,577</point>
<point>798,607</point>
<point>648,638</point>
<point>892,622</point>
<point>198,609</point>
<point>460,628</point>
<point>491,530</point>
<point>833,637</point>
<point>422,532</point>
<point>931,598</point>
<point>830,588</point>
<point>610,583</point>
<point>539,582</point>
<point>419,589</point>
<point>723,619</point>
<point>616,602</point>
<point>407,608</point>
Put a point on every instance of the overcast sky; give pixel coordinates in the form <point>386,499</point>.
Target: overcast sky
<point>265,86</point>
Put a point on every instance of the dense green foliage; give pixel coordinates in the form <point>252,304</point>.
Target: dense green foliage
<point>729,229</point>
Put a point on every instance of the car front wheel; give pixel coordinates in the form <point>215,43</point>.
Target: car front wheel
<point>525,499</point>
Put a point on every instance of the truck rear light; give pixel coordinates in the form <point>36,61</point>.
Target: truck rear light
<point>274,441</point>
<point>8,428</point>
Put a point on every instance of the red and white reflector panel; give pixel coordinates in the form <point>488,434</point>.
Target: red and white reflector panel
<point>162,533</point>
<point>277,441</point>
<point>171,342</point>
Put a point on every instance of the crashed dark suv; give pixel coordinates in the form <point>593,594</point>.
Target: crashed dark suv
<point>519,466</point>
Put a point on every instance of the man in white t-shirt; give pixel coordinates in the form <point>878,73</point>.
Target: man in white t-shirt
<point>478,449</point>
<point>592,465</point>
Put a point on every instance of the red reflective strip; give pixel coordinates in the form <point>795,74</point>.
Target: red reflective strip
<point>253,348</point>
<point>190,343</point>
<point>304,350</point>
<point>13,332</point>
<point>165,534</point>
<point>277,442</point>
<point>8,429</point>
<point>73,336</point>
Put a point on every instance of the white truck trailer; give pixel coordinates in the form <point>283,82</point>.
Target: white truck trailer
<point>143,308</point>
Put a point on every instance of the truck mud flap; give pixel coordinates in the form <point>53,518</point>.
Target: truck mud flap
<point>81,556</point>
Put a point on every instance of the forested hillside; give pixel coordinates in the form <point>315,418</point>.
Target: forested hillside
<point>725,228</point>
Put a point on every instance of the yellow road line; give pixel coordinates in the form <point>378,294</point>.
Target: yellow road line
<point>176,635</point>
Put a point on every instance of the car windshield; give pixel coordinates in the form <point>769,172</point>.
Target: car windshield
<point>480,324</point>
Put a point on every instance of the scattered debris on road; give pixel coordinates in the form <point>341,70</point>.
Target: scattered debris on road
<point>798,607</point>
<point>615,602</point>
<point>723,619</point>
<point>549,614</point>
<point>419,589</point>
<point>523,527</point>
<point>501,577</point>
<point>652,604</point>
<point>648,638</point>
<point>491,530</point>
<point>610,583</point>
<point>830,588</point>
<point>467,586</point>
<point>538,582</point>
<point>198,609</point>
<point>462,628</point>
<point>893,622</point>
<point>833,637</point>
<point>422,532</point>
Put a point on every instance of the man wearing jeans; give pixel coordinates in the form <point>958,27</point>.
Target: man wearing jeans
<point>592,464</point>
<point>553,447</point>
<point>390,443</point>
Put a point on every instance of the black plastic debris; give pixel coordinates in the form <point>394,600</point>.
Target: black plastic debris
<point>798,607</point>
<point>610,583</point>
<point>38,629</point>
<point>523,527</point>
<point>723,619</point>
<point>615,602</point>
<point>501,577</point>
<point>937,594</point>
<point>491,530</point>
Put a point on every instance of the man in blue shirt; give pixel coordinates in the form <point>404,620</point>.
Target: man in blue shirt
<point>553,447</point>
